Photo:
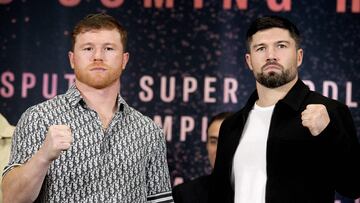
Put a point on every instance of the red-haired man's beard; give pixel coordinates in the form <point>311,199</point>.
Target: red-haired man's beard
<point>98,75</point>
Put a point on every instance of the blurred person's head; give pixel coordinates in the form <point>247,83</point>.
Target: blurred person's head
<point>213,134</point>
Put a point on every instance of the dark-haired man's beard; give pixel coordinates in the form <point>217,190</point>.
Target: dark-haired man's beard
<point>274,80</point>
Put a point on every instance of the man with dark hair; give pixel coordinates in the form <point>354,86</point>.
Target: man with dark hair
<point>287,144</point>
<point>89,145</point>
<point>197,190</point>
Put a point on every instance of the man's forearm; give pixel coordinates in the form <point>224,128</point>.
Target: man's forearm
<point>23,183</point>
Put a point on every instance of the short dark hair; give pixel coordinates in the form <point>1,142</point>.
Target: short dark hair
<point>219,116</point>
<point>268,22</point>
<point>96,22</point>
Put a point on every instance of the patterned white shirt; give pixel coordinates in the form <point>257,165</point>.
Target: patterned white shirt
<point>125,163</point>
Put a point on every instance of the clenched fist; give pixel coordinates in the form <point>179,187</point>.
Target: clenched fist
<point>58,138</point>
<point>316,118</point>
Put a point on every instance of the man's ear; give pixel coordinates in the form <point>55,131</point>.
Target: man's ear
<point>299,54</point>
<point>126,57</point>
<point>248,61</point>
<point>71,59</point>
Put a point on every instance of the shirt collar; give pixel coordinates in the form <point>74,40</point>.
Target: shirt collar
<point>296,95</point>
<point>74,97</point>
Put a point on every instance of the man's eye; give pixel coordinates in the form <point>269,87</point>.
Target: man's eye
<point>87,49</point>
<point>109,48</point>
<point>282,46</point>
<point>214,142</point>
<point>260,49</point>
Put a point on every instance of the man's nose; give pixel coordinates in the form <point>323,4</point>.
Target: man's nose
<point>98,55</point>
<point>271,55</point>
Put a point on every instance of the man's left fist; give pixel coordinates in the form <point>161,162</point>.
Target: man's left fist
<point>316,118</point>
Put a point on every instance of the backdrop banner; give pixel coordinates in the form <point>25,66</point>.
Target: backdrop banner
<point>186,60</point>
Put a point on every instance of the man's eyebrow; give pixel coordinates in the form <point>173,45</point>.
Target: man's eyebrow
<point>257,45</point>
<point>277,42</point>
<point>86,44</point>
<point>110,43</point>
<point>283,41</point>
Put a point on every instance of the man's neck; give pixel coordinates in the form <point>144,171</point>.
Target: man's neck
<point>270,96</point>
<point>103,101</point>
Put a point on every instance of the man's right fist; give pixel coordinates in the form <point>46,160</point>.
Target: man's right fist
<point>58,138</point>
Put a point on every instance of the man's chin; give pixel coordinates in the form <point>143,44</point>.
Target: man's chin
<point>101,84</point>
<point>272,74</point>
<point>97,84</point>
<point>271,82</point>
